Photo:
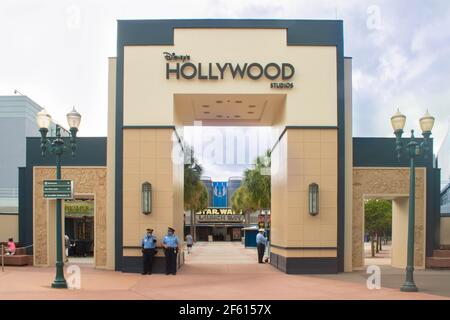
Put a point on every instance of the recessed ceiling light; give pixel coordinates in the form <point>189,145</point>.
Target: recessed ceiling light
<point>205,106</point>
<point>219,116</point>
<point>219,101</point>
<point>238,101</point>
<point>252,106</point>
<point>250,112</point>
<point>206,112</point>
<point>237,116</point>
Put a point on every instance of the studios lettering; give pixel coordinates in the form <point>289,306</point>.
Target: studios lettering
<point>180,67</point>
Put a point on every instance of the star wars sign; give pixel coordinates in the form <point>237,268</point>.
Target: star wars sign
<point>219,215</point>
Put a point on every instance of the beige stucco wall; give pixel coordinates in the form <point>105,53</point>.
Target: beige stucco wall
<point>111,165</point>
<point>148,157</point>
<point>399,232</point>
<point>445,231</point>
<point>304,156</point>
<point>390,183</point>
<point>149,96</point>
<point>303,253</point>
<point>9,227</point>
<point>87,181</point>
<point>348,166</point>
<point>278,217</point>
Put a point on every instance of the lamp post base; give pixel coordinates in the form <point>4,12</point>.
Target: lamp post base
<point>409,287</point>
<point>59,284</point>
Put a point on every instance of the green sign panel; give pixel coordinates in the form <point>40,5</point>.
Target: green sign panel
<point>58,189</point>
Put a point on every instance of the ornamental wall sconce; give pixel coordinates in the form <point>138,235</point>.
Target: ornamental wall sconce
<point>146,198</point>
<point>313,199</point>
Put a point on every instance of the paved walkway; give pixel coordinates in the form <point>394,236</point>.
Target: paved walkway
<point>214,271</point>
<point>221,253</point>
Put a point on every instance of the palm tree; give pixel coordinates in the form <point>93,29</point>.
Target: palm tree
<point>254,193</point>
<point>195,193</point>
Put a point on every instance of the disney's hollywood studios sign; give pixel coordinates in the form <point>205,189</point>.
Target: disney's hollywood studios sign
<point>180,67</point>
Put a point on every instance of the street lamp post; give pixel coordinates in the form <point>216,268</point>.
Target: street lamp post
<point>57,146</point>
<point>413,150</point>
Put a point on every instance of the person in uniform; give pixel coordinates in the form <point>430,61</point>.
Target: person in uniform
<point>148,251</point>
<point>171,247</point>
<point>261,242</point>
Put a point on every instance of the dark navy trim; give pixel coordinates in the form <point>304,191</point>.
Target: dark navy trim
<point>118,221</point>
<point>303,248</point>
<point>341,152</point>
<point>8,214</point>
<point>433,211</point>
<point>299,32</point>
<point>134,265</point>
<point>380,152</point>
<point>294,265</point>
<point>23,219</point>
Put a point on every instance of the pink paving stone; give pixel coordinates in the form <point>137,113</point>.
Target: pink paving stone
<point>212,271</point>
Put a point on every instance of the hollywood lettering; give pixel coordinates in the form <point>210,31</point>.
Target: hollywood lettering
<point>216,71</point>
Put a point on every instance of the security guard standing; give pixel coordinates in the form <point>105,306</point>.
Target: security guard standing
<point>261,242</point>
<point>148,251</point>
<point>171,247</point>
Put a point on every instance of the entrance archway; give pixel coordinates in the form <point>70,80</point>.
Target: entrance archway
<point>224,119</point>
<point>392,184</point>
<point>150,102</point>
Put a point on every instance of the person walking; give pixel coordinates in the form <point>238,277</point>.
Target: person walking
<point>261,242</point>
<point>189,243</point>
<point>171,247</point>
<point>67,245</point>
<point>148,251</point>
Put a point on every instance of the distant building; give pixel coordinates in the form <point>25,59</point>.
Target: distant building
<point>220,194</point>
<point>209,186</point>
<point>218,222</point>
<point>17,121</point>
<point>233,184</point>
<point>445,201</point>
<point>443,162</point>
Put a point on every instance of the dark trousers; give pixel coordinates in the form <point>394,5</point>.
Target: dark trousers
<point>261,249</point>
<point>148,260</point>
<point>171,260</point>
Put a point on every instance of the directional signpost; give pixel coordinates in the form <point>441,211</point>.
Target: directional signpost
<point>58,189</point>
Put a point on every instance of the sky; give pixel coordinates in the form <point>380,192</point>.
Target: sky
<point>55,52</point>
